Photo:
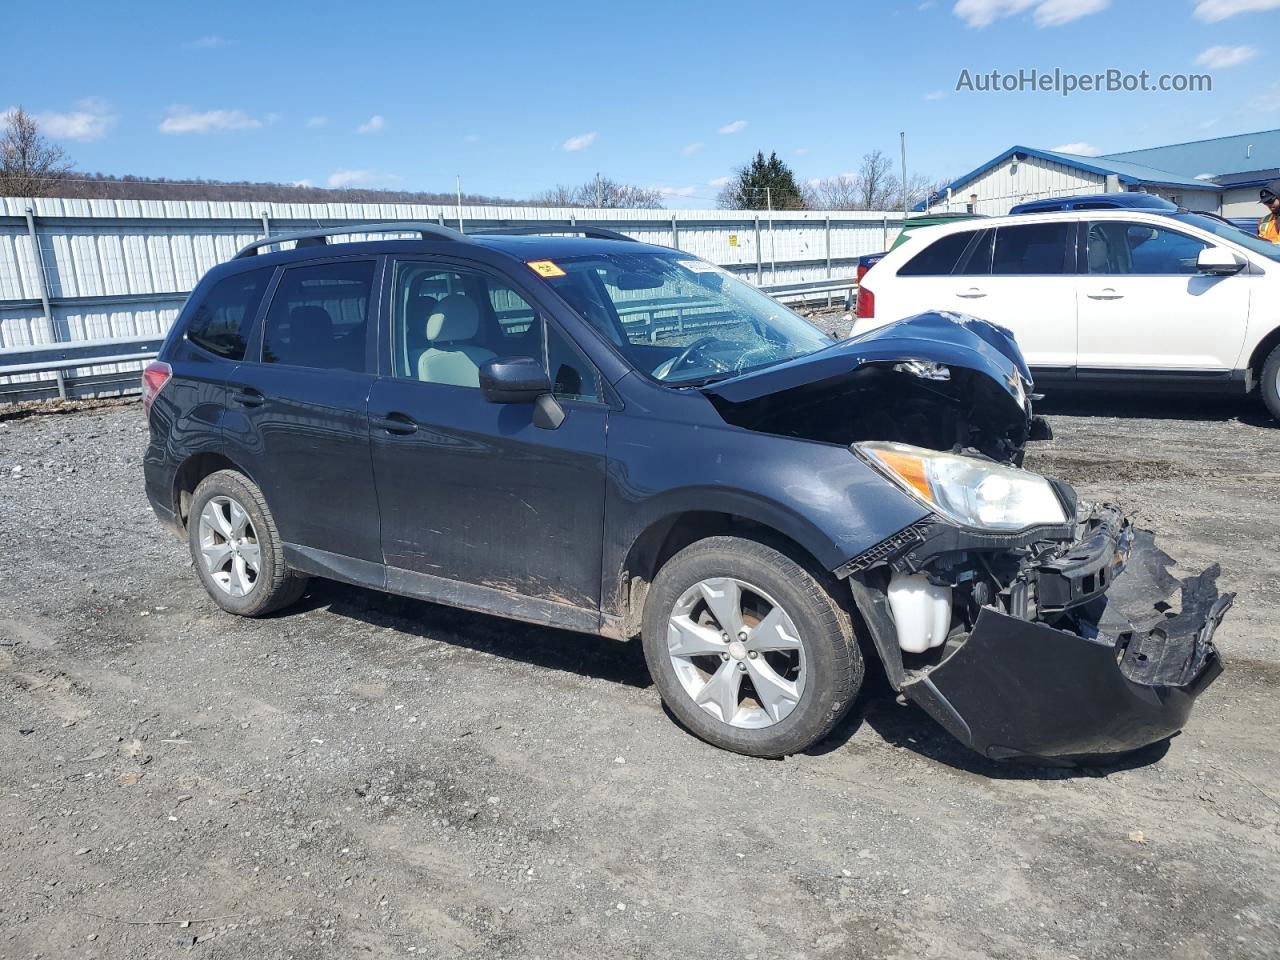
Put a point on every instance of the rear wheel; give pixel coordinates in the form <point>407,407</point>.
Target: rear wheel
<point>748,649</point>
<point>236,549</point>
<point>1270,383</point>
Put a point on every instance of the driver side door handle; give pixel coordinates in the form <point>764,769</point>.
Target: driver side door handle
<point>973,293</point>
<point>1106,293</point>
<point>395,423</point>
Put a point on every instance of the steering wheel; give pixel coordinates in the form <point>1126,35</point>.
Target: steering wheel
<point>666,369</point>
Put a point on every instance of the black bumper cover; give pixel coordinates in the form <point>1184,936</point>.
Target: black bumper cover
<point>1116,672</point>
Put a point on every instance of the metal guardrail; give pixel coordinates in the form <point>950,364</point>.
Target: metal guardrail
<point>57,358</point>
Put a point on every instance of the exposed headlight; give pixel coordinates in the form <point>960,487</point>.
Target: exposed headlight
<point>969,491</point>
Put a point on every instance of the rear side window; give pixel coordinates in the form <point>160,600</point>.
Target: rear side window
<point>221,322</point>
<point>1032,248</point>
<point>939,258</point>
<point>319,317</point>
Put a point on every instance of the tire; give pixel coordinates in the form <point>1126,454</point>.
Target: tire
<point>799,647</point>
<point>229,518</point>
<point>1270,382</point>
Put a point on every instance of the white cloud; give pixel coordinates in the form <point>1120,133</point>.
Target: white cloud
<point>1047,13</point>
<point>719,182</point>
<point>732,127</point>
<point>1267,101</point>
<point>801,151</point>
<point>90,120</point>
<point>1211,11</point>
<point>372,125</point>
<point>301,183</point>
<point>208,42</point>
<point>317,121</point>
<point>579,142</point>
<point>935,94</point>
<point>692,148</point>
<point>182,119</point>
<point>361,178</point>
<point>1079,148</point>
<point>1220,58</point>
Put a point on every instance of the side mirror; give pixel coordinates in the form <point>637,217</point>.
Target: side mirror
<point>513,380</point>
<point>1218,262</point>
<point>522,380</point>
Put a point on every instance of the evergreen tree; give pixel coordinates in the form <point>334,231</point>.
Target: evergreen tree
<point>762,183</point>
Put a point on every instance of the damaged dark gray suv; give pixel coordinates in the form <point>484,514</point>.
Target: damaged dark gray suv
<point>622,439</point>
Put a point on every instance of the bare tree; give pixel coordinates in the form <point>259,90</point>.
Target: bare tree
<point>876,186</point>
<point>600,192</point>
<point>836,193</point>
<point>29,164</point>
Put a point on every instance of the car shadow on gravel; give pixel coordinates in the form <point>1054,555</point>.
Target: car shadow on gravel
<point>907,727</point>
<point>1153,406</point>
<point>596,657</point>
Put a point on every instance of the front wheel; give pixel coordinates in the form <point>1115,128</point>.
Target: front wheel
<point>1270,384</point>
<point>748,649</point>
<point>236,549</point>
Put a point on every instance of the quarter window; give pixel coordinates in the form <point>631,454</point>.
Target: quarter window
<point>319,317</point>
<point>1032,249</point>
<point>221,322</point>
<point>572,375</point>
<point>939,258</point>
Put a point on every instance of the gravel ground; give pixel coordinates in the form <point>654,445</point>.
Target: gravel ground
<point>372,776</point>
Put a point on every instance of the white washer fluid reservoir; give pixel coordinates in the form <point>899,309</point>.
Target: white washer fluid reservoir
<point>921,610</point>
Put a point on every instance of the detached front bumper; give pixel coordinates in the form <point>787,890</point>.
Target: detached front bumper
<point>1102,651</point>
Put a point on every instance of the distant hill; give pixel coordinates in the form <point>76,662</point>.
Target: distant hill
<point>97,186</point>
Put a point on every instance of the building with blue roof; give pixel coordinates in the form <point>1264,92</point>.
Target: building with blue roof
<point>1221,176</point>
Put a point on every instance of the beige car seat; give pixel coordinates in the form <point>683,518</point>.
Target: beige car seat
<point>449,357</point>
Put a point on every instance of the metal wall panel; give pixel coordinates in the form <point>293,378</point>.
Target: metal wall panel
<point>161,248</point>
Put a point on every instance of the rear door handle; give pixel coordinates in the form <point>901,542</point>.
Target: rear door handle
<point>1106,293</point>
<point>395,423</point>
<point>973,293</point>
<point>248,397</point>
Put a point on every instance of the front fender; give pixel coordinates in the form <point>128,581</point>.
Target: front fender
<point>819,495</point>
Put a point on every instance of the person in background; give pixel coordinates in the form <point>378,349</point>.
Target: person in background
<point>1269,226</point>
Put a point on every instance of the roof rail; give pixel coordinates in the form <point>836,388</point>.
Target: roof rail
<point>599,233</point>
<point>309,238</point>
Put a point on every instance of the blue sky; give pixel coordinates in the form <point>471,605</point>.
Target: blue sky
<point>516,97</point>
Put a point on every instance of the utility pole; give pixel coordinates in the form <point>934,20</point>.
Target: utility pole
<point>902,135</point>
<point>773,247</point>
<point>599,200</point>
<point>460,230</point>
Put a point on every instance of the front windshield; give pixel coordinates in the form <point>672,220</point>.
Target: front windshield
<point>680,319</point>
<point>1230,232</point>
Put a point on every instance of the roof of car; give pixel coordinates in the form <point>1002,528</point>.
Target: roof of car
<point>521,243</point>
<point>541,245</point>
<point>1095,201</point>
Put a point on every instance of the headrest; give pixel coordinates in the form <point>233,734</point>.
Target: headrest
<point>311,323</point>
<point>1097,250</point>
<point>455,318</point>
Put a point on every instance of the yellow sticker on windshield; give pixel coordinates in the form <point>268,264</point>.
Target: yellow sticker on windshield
<point>545,268</point>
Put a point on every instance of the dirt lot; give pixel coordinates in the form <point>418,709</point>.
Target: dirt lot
<point>370,776</point>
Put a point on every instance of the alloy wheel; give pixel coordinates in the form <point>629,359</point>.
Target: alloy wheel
<point>229,546</point>
<point>736,652</point>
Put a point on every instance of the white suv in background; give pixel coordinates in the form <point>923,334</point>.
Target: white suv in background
<point>1101,297</point>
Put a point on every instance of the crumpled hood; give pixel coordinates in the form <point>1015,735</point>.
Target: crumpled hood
<point>954,339</point>
<point>868,388</point>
